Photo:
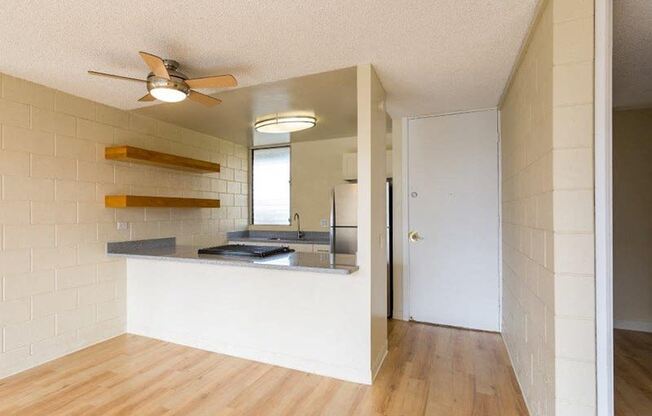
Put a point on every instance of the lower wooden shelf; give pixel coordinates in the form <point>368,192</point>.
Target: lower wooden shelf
<point>128,201</point>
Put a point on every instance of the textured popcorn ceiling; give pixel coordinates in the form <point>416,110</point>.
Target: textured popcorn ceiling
<point>432,56</point>
<point>632,65</point>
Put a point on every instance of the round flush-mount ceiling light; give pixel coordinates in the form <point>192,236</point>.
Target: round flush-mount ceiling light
<point>285,124</point>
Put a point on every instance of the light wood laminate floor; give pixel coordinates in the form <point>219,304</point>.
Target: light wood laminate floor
<point>429,370</point>
<point>633,373</point>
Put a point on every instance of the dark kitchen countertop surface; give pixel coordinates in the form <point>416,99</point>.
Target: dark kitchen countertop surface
<point>166,249</point>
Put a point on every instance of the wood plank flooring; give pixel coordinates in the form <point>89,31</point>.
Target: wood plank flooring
<point>429,370</point>
<point>633,373</point>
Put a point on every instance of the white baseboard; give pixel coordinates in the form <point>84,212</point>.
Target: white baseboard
<point>642,326</point>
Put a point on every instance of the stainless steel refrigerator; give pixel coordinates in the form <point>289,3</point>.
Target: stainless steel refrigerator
<point>344,227</point>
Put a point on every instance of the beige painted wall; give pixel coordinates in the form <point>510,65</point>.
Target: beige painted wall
<point>316,167</point>
<point>61,292</point>
<point>632,141</point>
<point>372,235</point>
<point>547,213</point>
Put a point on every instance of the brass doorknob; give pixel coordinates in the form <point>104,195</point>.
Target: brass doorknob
<point>414,236</point>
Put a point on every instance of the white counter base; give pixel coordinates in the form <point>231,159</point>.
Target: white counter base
<point>313,322</point>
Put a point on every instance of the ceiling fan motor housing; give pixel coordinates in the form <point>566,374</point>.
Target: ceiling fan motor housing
<point>177,79</point>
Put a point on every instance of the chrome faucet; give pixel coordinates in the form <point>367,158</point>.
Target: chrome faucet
<point>298,220</point>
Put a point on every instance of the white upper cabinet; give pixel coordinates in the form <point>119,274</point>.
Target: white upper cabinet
<point>350,165</point>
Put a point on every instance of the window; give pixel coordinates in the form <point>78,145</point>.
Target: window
<point>271,186</point>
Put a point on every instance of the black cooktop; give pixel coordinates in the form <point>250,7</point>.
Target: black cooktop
<point>245,250</point>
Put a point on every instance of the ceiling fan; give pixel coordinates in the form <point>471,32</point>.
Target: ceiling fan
<point>166,83</point>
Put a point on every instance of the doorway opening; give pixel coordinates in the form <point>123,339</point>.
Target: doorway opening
<point>623,185</point>
<point>631,207</point>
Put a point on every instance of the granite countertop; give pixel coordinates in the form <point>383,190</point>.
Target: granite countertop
<point>166,249</point>
<point>281,237</point>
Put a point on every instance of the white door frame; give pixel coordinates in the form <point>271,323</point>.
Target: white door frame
<point>603,207</point>
<point>405,219</point>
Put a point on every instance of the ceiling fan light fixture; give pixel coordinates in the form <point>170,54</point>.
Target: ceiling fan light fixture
<point>285,124</point>
<point>166,83</point>
<point>168,95</point>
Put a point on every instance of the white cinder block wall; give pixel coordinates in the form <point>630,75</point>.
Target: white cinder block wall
<point>548,251</point>
<point>527,220</point>
<point>59,291</point>
<point>573,207</point>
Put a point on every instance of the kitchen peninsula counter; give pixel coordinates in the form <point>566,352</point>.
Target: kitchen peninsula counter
<point>166,249</point>
<point>294,310</point>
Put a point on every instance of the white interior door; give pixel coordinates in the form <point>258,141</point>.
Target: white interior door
<point>453,208</point>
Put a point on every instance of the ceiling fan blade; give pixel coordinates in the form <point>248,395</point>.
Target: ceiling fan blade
<point>218,81</point>
<point>155,64</point>
<point>204,99</point>
<point>148,97</point>
<point>104,74</point>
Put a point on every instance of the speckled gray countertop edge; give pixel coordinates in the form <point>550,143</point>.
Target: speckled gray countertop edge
<point>342,270</point>
<point>166,249</point>
<point>118,247</point>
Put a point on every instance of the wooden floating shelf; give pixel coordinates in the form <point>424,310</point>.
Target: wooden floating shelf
<point>150,157</point>
<point>129,201</point>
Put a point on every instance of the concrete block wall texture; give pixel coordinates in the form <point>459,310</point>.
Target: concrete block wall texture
<point>573,207</point>
<point>527,219</point>
<point>547,218</point>
<point>59,291</point>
